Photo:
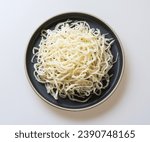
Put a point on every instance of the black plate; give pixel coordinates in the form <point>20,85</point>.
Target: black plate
<point>116,70</point>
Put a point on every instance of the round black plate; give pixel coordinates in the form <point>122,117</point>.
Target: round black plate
<point>116,70</point>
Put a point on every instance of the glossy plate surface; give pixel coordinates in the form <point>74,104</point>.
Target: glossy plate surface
<point>116,70</point>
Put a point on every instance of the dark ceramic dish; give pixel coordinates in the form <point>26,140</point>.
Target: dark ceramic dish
<point>116,70</point>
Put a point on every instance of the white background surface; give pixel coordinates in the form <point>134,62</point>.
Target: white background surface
<point>130,104</point>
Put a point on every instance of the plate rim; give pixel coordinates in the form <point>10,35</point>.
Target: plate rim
<point>88,107</point>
